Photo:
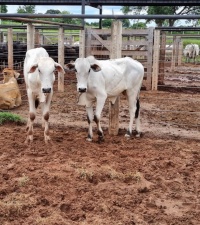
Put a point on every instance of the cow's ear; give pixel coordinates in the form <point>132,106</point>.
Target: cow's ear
<point>95,68</point>
<point>33,68</point>
<point>69,67</point>
<point>59,68</point>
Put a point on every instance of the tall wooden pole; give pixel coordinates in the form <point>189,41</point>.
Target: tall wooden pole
<point>10,48</point>
<point>115,52</point>
<point>61,52</point>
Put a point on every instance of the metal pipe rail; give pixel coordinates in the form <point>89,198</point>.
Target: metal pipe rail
<point>42,27</point>
<point>43,22</point>
<point>91,16</point>
<point>178,28</point>
<point>95,3</point>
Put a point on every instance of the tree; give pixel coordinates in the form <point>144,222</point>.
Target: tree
<point>164,10</point>
<point>93,24</point>
<point>62,20</point>
<point>26,9</point>
<point>52,11</point>
<point>74,21</point>
<point>126,23</point>
<point>3,9</point>
<point>107,23</point>
<point>139,25</point>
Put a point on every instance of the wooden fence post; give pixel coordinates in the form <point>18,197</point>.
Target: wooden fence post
<point>180,51</point>
<point>88,42</point>
<point>148,81</point>
<point>115,52</point>
<point>156,60</point>
<point>30,36</point>
<point>37,38</point>
<point>162,59</point>
<point>61,52</point>
<point>82,44</point>
<point>10,48</point>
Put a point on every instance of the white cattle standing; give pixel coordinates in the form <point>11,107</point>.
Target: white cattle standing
<point>191,51</point>
<point>39,77</point>
<point>99,79</point>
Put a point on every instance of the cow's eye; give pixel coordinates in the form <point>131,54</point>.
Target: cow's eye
<point>38,70</point>
<point>89,71</point>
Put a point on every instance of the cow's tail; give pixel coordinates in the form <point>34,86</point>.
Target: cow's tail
<point>137,111</point>
<point>37,102</point>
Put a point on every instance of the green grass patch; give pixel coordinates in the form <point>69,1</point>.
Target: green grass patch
<point>7,117</point>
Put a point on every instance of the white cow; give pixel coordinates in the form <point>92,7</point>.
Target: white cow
<point>191,51</point>
<point>39,77</point>
<point>99,79</point>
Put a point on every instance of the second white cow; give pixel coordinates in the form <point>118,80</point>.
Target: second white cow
<point>98,80</point>
<point>39,77</point>
<point>191,51</point>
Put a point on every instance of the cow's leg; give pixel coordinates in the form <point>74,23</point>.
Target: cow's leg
<point>90,118</point>
<point>32,115</point>
<point>45,117</point>
<point>134,110</point>
<point>99,107</point>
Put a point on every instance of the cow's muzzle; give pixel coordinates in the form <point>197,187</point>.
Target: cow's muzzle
<point>82,90</point>
<point>46,90</point>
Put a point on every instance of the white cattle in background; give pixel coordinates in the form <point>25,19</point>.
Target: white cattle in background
<point>98,80</point>
<point>191,51</point>
<point>39,77</point>
<point>76,44</point>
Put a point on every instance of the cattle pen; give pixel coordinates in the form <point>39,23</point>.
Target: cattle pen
<point>158,51</point>
<point>149,180</point>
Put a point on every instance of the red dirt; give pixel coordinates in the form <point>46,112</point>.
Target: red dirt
<point>151,180</point>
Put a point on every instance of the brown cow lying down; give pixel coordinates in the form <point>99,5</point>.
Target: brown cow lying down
<point>10,95</point>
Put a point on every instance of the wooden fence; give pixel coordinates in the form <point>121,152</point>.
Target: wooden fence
<point>145,45</point>
<point>137,44</point>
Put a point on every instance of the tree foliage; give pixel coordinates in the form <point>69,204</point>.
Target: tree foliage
<point>164,10</point>
<point>107,23</point>
<point>52,11</point>
<point>139,25</point>
<point>3,9</point>
<point>74,21</point>
<point>63,20</point>
<point>26,9</point>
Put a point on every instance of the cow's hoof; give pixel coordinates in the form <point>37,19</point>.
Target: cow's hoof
<point>29,140</point>
<point>138,135</point>
<point>128,136</point>
<point>100,139</point>
<point>47,139</point>
<point>89,139</point>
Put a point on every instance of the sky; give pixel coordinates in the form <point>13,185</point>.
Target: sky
<point>106,10</point>
<point>72,9</point>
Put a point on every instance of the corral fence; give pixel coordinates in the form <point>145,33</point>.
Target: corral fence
<point>14,44</point>
<point>147,46</point>
<point>137,44</point>
<point>155,49</point>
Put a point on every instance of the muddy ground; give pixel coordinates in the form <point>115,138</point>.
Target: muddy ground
<point>154,179</point>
